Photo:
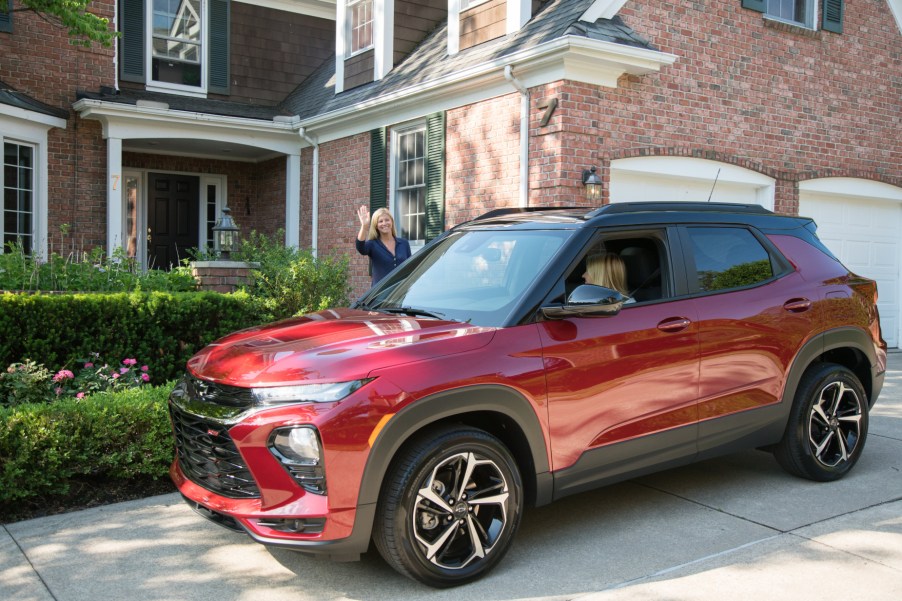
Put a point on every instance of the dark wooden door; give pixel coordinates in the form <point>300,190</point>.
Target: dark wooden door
<point>172,218</point>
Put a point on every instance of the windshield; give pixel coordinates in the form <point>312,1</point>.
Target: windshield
<point>475,276</point>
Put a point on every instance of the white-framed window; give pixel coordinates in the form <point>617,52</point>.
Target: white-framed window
<point>18,184</point>
<point>797,12</point>
<point>359,26</point>
<point>177,51</point>
<point>133,215</point>
<point>408,187</point>
<point>212,195</point>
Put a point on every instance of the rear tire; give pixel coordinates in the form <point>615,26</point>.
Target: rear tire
<point>449,508</point>
<point>828,425</point>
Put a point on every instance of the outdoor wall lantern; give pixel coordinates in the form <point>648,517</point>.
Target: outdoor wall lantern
<point>225,235</point>
<point>593,185</point>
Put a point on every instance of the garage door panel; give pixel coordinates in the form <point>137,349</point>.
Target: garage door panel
<point>864,234</point>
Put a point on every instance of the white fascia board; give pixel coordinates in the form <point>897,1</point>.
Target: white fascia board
<point>569,57</point>
<point>128,121</point>
<point>32,116</point>
<point>324,9</point>
<point>602,9</point>
<point>895,7</point>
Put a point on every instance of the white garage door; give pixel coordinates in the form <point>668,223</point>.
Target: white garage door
<point>864,233</point>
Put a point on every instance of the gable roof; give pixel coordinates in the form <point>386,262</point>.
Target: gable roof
<point>430,60</point>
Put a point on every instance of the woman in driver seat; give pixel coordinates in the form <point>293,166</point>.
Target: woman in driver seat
<point>607,270</point>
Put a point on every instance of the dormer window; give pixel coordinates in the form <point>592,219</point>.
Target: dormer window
<point>360,26</point>
<point>177,36</point>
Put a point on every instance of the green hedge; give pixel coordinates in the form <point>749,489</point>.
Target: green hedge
<point>160,329</point>
<point>121,435</point>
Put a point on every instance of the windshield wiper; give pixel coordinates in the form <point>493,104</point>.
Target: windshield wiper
<point>412,311</point>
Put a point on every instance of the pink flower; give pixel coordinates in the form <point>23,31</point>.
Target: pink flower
<point>129,361</point>
<point>89,365</point>
<point>144,368</point>
<point>115,376</point>
<point>63,374</point>
<point>58,391</point>
<point>145,377</point>
<point>123,370</point>
<point>80,395</point>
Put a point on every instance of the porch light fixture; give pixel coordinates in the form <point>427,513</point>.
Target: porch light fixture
<point>593,185</point>
<point>225,235</point>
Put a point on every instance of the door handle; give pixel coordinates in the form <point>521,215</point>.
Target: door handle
<point>797,305</point>
<point>674,324</point>
<point>149,237</point>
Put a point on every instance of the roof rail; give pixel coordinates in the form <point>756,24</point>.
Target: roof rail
<point>518,210</point>
<point>713,207</point>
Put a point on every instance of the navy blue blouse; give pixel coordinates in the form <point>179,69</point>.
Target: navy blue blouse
<point>381,259</point>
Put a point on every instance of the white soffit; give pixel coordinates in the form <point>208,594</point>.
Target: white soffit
<point>31,116</point>
<point>602,9</point>
<point>324,9</point>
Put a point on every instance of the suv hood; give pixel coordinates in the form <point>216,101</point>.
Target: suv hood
<point>332,345</point>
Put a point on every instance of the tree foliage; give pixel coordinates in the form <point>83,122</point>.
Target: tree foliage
<point>84,27</point>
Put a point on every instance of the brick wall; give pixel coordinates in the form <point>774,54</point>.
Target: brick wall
<point>344,185</point>
<point>790,103</point>
<point>482,158</point>
<point>37,59</point>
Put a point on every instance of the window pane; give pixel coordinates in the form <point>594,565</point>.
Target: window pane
<point>18,194</point>
<point>176,48</point>
<point>361,25</point>
<point>790,10</point>
<point>729,258</point>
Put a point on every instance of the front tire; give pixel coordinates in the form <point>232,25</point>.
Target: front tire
<point>450,507</point>
<point>828,425</point>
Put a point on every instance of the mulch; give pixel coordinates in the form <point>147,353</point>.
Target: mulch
<point>83,494</point>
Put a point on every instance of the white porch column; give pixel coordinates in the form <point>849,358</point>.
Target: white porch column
<point>292,200</point>
<point>114,235</point>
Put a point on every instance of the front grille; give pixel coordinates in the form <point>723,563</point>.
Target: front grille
<point>209,457</point>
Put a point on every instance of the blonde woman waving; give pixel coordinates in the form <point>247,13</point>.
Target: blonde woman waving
<point>378,240</point>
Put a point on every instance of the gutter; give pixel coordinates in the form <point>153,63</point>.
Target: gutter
<point>314,234</point>
<point>524,134</point>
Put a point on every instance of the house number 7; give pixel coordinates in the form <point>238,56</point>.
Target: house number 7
<point>115,182</point>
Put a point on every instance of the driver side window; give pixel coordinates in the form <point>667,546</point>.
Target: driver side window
<point>634,266</point>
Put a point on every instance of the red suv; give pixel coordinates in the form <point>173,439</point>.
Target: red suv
<point>486,373</point>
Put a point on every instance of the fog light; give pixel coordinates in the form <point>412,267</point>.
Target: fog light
<point>299,446</point>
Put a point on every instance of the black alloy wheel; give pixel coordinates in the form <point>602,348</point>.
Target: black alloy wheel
<point>450,507</point>
<point>828,425</point>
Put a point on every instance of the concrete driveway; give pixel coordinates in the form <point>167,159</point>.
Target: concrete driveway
<point>730,529</point>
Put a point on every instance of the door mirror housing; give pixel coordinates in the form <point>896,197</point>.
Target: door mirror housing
<point>587,300</point>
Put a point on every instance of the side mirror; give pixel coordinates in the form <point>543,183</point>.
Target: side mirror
<point>587,300</point>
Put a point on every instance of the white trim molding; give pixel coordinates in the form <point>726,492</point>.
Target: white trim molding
<point>324,9</point>
<point>602,9</point>
<point>570,57</point>
<point>895,7</point>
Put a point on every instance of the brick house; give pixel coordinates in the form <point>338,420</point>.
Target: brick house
<point>294,112</point>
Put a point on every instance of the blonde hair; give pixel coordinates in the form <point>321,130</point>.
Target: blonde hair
<point>607,270</point>
<point>374,233</point>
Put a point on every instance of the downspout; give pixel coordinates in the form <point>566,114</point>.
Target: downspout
<point>524,134</point>
<point>314,234</point>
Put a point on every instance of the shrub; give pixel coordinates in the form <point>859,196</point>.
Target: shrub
<point>164,329</point>
<point>113,436</point>
<point>291,281</point>
<point>86,272</point>
<point>21,383</point>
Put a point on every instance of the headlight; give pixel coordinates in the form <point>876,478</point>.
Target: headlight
<point>307,393</point>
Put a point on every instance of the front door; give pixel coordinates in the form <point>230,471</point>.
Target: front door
<point>172,218</point>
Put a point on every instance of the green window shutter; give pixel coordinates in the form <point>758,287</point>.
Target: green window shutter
<point>758,5</point>
<point>132,46</point>
<point>435,175</point>
<point>833,15</point>
<point>218,62</point>
<point>377,169</point>
<point>6,17</point>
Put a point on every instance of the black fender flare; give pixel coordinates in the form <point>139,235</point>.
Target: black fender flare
<point>429,410</point>
<point>839,338</point>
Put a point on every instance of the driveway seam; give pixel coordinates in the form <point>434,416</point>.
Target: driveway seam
<point>31,565</point>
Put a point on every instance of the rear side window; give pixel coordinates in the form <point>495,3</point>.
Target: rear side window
<point>727,258</point>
